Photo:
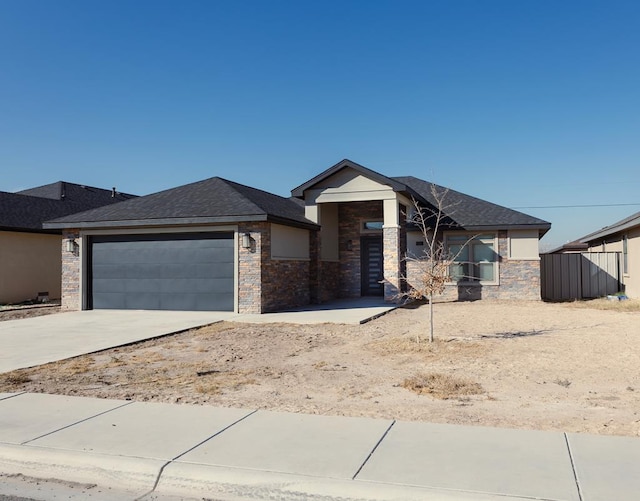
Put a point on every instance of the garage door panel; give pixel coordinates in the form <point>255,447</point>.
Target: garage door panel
<point>178,271</point>
<point>116,301</point>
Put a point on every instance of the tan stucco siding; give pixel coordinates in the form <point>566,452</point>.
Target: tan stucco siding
<point>329,233</point>
<point>348,186</point>
<point>631,279</point>
<point>29,263</point>
<point>523,244</point>
<point>289,243</point>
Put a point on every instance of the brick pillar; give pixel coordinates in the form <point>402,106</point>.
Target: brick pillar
<point>392,261</point>
<point>314,267</point>
<point>250,268</point>
<point>71,299</point>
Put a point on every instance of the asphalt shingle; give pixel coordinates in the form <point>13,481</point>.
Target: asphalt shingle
<point>210,200</point>
<point>28,209</point>
<point>470,212</point>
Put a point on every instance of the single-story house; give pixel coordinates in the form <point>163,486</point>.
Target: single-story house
<point>30,260</point>
<point>220,245</point>
<point>569,248</point>
<point>623,237</point>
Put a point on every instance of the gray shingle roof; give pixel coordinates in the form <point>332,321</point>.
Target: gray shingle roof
<point>88,196</point>
<point>27,210</point>
<point>464,211</point>
<point>213,200</point>
<point>469,212</point>
<point>624,224</point>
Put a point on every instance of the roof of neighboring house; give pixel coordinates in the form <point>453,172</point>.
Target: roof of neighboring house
<point>575,246</point>
<point>88,196</point>
<point>213,200</point>
<point>462,211</point>
<point>622,225</point>
<point>27,210</point>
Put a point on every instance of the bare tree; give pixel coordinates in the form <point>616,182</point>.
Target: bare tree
<point>433,264</point>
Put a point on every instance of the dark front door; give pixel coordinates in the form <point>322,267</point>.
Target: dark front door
<point>371,266</point>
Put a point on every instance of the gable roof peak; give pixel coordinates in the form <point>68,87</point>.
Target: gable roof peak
<point>298,192</point>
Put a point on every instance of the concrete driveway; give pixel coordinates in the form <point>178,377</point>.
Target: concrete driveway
<point>33,341</point>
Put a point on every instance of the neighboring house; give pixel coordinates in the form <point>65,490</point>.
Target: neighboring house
<point>219,245</point>
<point>569,248</point>
<point>622,237</point>
<point>30,259</point>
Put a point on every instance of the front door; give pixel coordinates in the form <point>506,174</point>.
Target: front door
<point>371,269</point>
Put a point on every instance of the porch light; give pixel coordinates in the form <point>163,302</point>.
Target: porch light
<point>70,245</point>
<point>246,241</point>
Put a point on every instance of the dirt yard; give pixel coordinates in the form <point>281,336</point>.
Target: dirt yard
<point>16,312</point>
<point>569,367</point>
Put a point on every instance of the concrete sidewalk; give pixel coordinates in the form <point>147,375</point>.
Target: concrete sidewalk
<point>162,451</point>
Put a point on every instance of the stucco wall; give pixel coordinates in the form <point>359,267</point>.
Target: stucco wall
<point>29,264</point>
<point>632,278</point>
<point>289,243</point>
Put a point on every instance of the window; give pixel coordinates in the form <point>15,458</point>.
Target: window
<point>473,260</point>
<point>372,226</point>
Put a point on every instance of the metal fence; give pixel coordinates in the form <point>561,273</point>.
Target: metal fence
<point>583,275</point>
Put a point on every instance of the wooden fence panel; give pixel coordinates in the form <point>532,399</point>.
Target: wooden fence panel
<point>564,277</point>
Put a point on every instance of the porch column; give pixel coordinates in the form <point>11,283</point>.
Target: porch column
<point>391,250</point>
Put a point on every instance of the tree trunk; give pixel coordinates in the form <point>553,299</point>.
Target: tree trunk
<point>431,317</point>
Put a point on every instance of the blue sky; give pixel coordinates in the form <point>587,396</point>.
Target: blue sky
<point>523,103</point>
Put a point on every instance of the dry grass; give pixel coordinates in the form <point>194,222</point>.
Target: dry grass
<point>79,365</point>
<point>629,305</point>
<point>441,386</point>
<point>11,381</point>
<point>217,383</point>
<point>408,345</point>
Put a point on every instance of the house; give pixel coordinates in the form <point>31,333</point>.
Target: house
<point>569,248</point>
<point>30,261</point>
<point>622,237</point>
<point>220,245</point>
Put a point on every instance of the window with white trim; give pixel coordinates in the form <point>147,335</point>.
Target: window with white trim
<point>475,259</point>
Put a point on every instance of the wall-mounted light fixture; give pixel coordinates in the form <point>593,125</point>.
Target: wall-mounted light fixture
<point>246,241</point>
<point>349,245</point>
<point>70,245</point>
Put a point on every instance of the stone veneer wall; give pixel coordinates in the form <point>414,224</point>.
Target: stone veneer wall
<point>350,215</point>
<point>266,284</point>
<point>519,279</point>
<point>391,253</point>
<point>71,269</point>
<point>250,267</point>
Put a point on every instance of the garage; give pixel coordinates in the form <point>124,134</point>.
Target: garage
<point>177,271</point>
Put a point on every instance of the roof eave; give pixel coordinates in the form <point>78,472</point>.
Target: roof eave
<point>19,229</point>
<point>171,221</point>
<point>136,223</point>
<point>542,228</point>
<point>611,230</point>
<point>298,192</point>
